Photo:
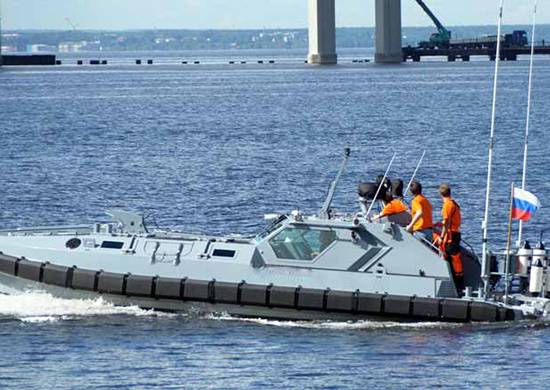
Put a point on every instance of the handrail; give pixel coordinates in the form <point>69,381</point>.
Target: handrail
<point>46,228</point>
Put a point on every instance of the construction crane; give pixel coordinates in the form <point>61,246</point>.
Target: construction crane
<point>442,37</point>
<point>74,26</point>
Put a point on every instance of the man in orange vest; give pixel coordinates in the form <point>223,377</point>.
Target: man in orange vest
<point>395,210</point>
<point>421,225</point>
<point>450,237</point>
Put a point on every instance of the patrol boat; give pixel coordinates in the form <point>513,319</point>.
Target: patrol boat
<point>326,266</point>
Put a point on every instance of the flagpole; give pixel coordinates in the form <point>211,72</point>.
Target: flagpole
<point>508,245</point>
<point>484,273</point>
<point>527,122</point>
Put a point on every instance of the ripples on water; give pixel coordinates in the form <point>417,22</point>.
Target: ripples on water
<point>211,149</point>
<point>89,343</point>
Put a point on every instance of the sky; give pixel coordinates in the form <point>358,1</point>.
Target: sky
<point>246,14</point>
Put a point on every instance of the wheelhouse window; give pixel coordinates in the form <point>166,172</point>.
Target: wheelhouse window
<point>223,253</point>
<point>112,244</point>
<point>301,242</point>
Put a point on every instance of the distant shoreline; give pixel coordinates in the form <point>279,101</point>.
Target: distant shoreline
<point>77,41</point>
<point>30,30</point>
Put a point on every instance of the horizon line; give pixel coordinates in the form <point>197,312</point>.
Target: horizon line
<point>5,30</point>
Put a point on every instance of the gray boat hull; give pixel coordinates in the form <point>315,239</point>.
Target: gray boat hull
<point>265,301</point>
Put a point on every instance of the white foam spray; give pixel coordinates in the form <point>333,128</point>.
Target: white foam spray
<point>36,306</point>
<point>339,325</point>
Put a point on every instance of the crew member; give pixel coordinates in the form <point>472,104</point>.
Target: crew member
<point>397,189</point>
<point>421,225</point>
<point>450,237</point>
<point>395,210</point>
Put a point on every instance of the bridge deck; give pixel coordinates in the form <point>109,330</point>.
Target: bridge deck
<point>452,54</point>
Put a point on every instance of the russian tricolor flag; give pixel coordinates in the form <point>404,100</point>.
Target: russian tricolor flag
<point>524,204</point>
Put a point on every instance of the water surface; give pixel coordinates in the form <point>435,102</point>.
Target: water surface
<point>211,149</point>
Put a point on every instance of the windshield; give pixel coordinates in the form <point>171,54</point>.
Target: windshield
<point>301,242</point>
<point>276,224</point>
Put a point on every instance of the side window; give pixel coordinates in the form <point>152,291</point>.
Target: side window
<point>112,244</point>
<point>301,243</point>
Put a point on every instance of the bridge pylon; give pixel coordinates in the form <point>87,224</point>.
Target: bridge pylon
<point>322,32</point>
<point>388,32</point>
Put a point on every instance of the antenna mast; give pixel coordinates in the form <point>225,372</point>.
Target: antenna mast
<point>484,273</point>
<point>380,185</point>
<point>527,122</point>
<point>414,173</point>
<point>325,210</point>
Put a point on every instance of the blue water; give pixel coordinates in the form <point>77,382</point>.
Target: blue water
<point>211,148</point>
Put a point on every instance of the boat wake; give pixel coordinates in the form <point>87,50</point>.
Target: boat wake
<point>41,307</point>
<point>339,325</point>
<point>36,307</point>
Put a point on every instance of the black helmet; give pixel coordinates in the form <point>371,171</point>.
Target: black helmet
<point>397,188</point>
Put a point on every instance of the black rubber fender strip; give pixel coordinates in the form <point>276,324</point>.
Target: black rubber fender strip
<point>325,298</point>
<point>41,277</point>
<point>70,274</point>
<point>383,304</point>
<point>455,310</point>
<point>125,283</point>
<point>369,303</point>
<point>426,307</point>
<point>397,305</point>
<point>297,297</point>
<point>30,270</point>
<point>16,267</point>
<point>56,275</point>
<point>240,292</point>
<point>259,295</point>
<point>84,279</point>
<point>505,314</point>
<point>355,301</point>
<point>340,301</point>
<point>254,294</point>
<point>311,299</point>
<point>8,264</point>
<point>141,286</point>
<point>154,286</point>
<point>268,294</point>
<point>169,288</point>
<point>211,288</point>
<point>226,292</point>
<point>196,290</point>
<point>96,280</point>
<point>112,283</point>
<point>282,297</point>
<point>483,312</point>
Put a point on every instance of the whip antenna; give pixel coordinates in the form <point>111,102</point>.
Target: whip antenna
<point>527,122</point>
<point>380,185</point>
<point>414,174</point>
<point>325,210</point>
<point>484,273</point>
